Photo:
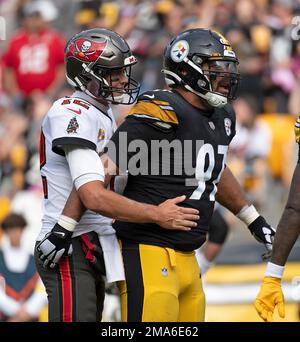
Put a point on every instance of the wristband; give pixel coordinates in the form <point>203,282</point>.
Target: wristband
<point>67,223</point>
<point>274,270</point>
<point>248,214</point>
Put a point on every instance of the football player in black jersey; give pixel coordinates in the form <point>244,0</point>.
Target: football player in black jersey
<point>197,124</point>
<point>174,142</point>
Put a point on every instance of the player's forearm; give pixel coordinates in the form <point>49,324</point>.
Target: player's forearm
<point>286,236</point>
<point>289,226</point>
<point>74,208</point>
<point>230,194</point>
<point>96,198</point>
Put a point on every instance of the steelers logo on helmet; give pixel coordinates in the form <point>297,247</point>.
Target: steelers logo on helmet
<point>179,51</point>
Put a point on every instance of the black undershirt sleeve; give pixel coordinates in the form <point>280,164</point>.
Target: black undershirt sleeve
<point>57,144</point>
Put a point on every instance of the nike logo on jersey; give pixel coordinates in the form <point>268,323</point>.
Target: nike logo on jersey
<point>150,96</point>
<point>75,111</point>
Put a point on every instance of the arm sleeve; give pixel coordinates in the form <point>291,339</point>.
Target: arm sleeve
<point>85,165</point>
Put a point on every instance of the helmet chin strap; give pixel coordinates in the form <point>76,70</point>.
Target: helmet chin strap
<point>213,99</point>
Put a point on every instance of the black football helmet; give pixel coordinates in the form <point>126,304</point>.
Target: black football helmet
<point>93,55</point>
<point>184,59</point>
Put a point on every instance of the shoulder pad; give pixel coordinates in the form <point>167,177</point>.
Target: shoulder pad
<point>151,107</point>
<point>297,130</point>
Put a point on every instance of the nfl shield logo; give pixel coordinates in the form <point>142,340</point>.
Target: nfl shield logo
<point>227,124</point>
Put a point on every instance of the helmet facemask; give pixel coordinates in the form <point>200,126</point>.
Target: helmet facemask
<point>206,78</point>
<point>105,77</point>
<point>223,78</point>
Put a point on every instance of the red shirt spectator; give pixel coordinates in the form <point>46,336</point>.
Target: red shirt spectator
<point>34,58</point>
<point>35,54</point>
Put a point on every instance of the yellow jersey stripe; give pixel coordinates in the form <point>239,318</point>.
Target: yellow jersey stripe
<point>154,110</point>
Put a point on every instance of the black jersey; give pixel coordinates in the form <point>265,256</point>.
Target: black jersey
<point>171,148</point>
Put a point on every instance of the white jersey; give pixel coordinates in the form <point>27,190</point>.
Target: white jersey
<point>75,120</point>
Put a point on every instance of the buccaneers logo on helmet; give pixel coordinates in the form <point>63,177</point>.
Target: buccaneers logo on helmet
<point>86,50</point>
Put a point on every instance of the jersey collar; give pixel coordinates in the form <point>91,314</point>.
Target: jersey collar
<point>103,108</point>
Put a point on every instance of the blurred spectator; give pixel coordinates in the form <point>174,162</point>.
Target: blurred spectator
<point>283,154</point>
<point>13,151</point>
<point>28,203</point>
<point>21,299</point>
<point>167,21</point>
<point>202,13</point>
<point>35,54</point>
<point>87,12</point>
<point>250,148</point>
<point>294,100</point>
<point>282,82</point>
<point>28,200</point>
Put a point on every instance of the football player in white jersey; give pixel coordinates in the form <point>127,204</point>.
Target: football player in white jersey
<point>74,131</point>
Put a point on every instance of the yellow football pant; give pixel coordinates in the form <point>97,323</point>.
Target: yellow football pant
<point>162,285</point>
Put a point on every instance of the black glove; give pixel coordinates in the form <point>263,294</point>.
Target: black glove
<point>263,233</point>
<point>54,245</point>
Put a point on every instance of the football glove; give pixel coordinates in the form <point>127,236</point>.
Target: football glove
<point>270,296</point>
<point>54,245</point>
<point>263,233</point>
